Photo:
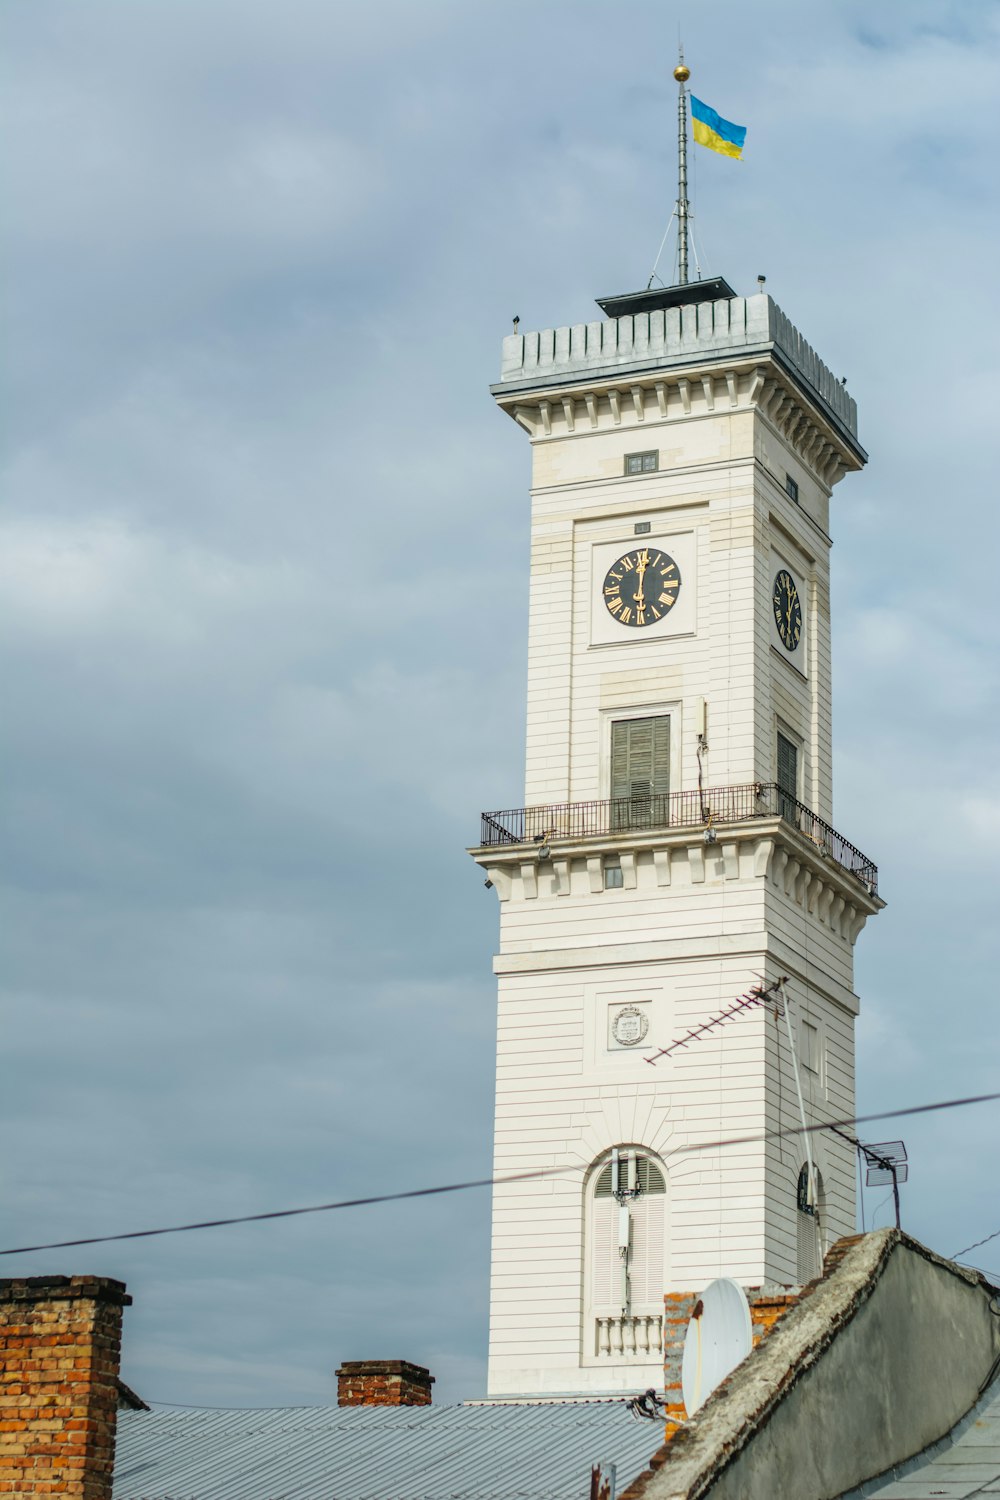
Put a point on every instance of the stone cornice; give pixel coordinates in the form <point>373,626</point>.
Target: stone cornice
<point>767,849</point>
<point>673,342</point>
<point>762,384</point>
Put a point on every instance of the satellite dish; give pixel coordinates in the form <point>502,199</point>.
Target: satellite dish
<point>719,1337</point>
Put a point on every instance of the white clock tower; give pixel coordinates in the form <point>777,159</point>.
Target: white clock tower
<point>675,847</point>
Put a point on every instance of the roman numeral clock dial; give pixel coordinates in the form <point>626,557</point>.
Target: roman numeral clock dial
<point>787,609</point>
<point>641,587</point>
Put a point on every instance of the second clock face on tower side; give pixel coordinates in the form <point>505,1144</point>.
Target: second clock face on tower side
<point>787,609</point>
<point>641,587</point>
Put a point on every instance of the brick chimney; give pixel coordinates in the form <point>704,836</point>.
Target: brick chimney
<point>60,1340</point>
<point>383,1382</point>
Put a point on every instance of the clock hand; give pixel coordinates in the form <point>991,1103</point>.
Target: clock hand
<point>643,563</point>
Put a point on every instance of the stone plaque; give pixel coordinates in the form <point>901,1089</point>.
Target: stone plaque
<point>629,1025</point>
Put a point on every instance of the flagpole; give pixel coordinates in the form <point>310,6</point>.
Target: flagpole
<point>682,73</point>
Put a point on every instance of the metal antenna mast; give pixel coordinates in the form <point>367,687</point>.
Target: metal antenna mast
<point>682,73</point>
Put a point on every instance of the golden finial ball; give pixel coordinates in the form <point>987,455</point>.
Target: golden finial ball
<point>682,72</point>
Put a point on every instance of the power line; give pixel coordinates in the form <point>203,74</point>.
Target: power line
<point>460,1187</point>
<point>993,1236</point>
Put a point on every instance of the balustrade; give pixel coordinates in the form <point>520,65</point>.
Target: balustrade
<point>625,1336</point>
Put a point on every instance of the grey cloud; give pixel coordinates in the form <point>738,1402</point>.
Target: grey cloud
<point>265,561</point>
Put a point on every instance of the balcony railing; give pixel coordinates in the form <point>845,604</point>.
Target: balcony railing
<point>637,1336</point>
<point>713,808</point>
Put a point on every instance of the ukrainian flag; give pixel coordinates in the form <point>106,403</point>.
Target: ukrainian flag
<point>711,130</point>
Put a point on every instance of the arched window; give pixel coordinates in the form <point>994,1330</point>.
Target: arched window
<point>810,1225</point>
<point>626,1215</point>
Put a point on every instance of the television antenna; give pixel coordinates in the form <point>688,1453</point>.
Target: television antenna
<point>886,1162</point>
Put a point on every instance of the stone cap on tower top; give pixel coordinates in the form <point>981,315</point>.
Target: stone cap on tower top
<point>666,338</point>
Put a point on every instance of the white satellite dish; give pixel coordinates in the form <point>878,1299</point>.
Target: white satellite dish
<point>719,1337</point>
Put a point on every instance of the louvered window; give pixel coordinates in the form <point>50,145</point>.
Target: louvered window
<point>810,1228</point>
<point>640,772</point>
<point>635,1279</point>
<point>648,1177</point>
<point>788,778</point>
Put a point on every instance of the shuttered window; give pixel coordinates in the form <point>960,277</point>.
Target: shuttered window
<point>644,1232</point>
<point>640,771</point>
<point>648,1177</point>
<point>810,1223</point>
<point>607,1286</point>
<point>788,777</point>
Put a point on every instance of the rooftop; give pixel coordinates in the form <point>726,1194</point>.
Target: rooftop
<point>540,1451</point>
<point>658,334</point>
<point>653,299</point>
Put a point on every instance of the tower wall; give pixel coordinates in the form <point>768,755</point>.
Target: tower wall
<point>749,432</point>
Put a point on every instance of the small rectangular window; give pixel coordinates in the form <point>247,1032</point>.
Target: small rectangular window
<point>642,463</point>
<point>810,1047</point>
<point>642,528</point>
<point>792,487</point>
<point>612,877</point>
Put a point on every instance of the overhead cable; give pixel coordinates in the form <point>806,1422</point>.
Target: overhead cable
<point>993,1236</point>
<point>459,1187</point>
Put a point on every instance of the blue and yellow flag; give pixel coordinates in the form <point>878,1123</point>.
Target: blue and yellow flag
<point>711,130</point>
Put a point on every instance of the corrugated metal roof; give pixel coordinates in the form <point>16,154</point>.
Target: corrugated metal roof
<point>966,1462</point>
<point>482,1452</point>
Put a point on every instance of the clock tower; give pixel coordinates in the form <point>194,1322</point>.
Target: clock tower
<point>676,850</point>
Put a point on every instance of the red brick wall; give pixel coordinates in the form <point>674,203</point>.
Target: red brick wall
<point>765,1310</point>
<point>60,1341</point>
<point>383,1382</point>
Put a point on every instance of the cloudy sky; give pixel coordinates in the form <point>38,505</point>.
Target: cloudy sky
<point>264,566</point>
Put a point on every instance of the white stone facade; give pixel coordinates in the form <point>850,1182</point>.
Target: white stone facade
<point>734,404</point>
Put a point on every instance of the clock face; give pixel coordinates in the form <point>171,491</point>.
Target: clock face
<point>641,587</point>
<point>787,609</point>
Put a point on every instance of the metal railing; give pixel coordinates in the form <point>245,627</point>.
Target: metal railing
<point>693,809</point>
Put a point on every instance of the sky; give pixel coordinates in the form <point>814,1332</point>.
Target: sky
<point>264,561</point>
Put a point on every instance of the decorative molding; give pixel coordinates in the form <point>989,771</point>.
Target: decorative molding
<point>767,389</point>
<point>768,850</point>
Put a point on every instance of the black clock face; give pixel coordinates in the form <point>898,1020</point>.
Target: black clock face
<point>641,587</point>
<point>787,610</point>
